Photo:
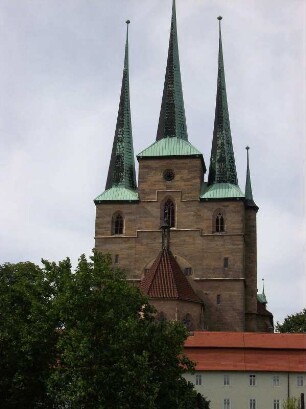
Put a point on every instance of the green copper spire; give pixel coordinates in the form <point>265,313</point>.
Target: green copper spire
<point>222,161</point>
<point>172,121</point>
<point>121,171</point>
<point>248,186</point>
<point>262,297</point>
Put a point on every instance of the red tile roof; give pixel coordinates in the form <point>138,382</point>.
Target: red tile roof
<point>165,279</point>
<point>245,351</point>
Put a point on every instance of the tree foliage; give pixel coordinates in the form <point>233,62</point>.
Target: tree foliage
<point>27,336</point>
<point>291,403</point>
<point>87,339</point>
<point>293,323</point>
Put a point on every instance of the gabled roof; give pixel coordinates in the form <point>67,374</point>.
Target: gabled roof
<point>115,194</point>
<point>245,351</point>
<point>165,279</point>
<point>222,161</point>
<point>170,147</point>
<point>247,340</point>
<point>221,191</point>
<point>172,120</point>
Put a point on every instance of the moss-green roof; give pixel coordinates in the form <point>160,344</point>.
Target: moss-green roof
<point>222,167</point>
<point>172,119</point>
<point>221,191</point>
<point>121,170</point>
<point>117,194</point>
<point>172,146</point>
<point>262,298</point>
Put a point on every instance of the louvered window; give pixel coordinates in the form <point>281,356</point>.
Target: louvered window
<point>219,223</point>
<point>117,224</point>
<point>169,213</point>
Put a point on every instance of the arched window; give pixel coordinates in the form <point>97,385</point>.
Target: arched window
<point>219,223</point>
<point>169,213</point>
<point>117,224</point>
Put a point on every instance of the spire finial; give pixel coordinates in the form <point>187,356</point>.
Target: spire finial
<point>172,120</point>
<point>263,285</point>
<point>222,160</point>
<point>126,55</point>
<point>121,172</point>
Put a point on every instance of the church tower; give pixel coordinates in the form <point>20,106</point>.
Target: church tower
<point>206,273</point>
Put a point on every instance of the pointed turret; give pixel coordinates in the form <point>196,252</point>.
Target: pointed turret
<point>165,279</point>
<point>222,161</point>
<point>261,297</point>
<point>249,201</point>
<point>172,121</point>
<point>121,178</point>
<point>122,167</point>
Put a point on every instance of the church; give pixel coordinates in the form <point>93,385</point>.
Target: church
<point>185,233</point>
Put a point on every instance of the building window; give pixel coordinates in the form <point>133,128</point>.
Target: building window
<point>227,404</point>
<point>168,175</point>
<point>225,262</point>
<point>300,380</point>
<point>252,404</point>
<point>218,298</point>
<point>117,224</point>
<point>198,379</point>
<point>187,271</point>
<point>116,258</point>
<point>219,223</point>
<point>276,404</point>
<point>187,321</point>
<point>226,380</point>
<point>161,317</point>
<point>275,380</point>
<point>169,213</point>
<point>252,380</point>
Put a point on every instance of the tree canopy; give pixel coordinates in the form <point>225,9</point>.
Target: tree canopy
<point>88,339</point>
<point>27,335</point>
<point>293,323</point>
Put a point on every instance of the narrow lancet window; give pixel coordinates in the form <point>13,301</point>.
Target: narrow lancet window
<point>219,223</point>
<point>117,224</point>
<point>169,213</point>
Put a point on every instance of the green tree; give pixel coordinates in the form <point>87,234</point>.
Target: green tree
<point>27,336</point>
<point>291,403</point>
<point>293,323</point>
<point>111,351</point>
<point>87,339</point>
<point>202,403</point>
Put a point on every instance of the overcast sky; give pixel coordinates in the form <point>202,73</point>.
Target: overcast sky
<point>60,76</point>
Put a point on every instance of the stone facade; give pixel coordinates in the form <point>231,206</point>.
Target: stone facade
<point>223,265</point>
<point>213,225</point>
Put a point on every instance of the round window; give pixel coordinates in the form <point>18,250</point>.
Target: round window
<point>168,175</point>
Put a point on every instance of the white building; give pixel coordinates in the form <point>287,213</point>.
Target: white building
<point>248,370</point>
